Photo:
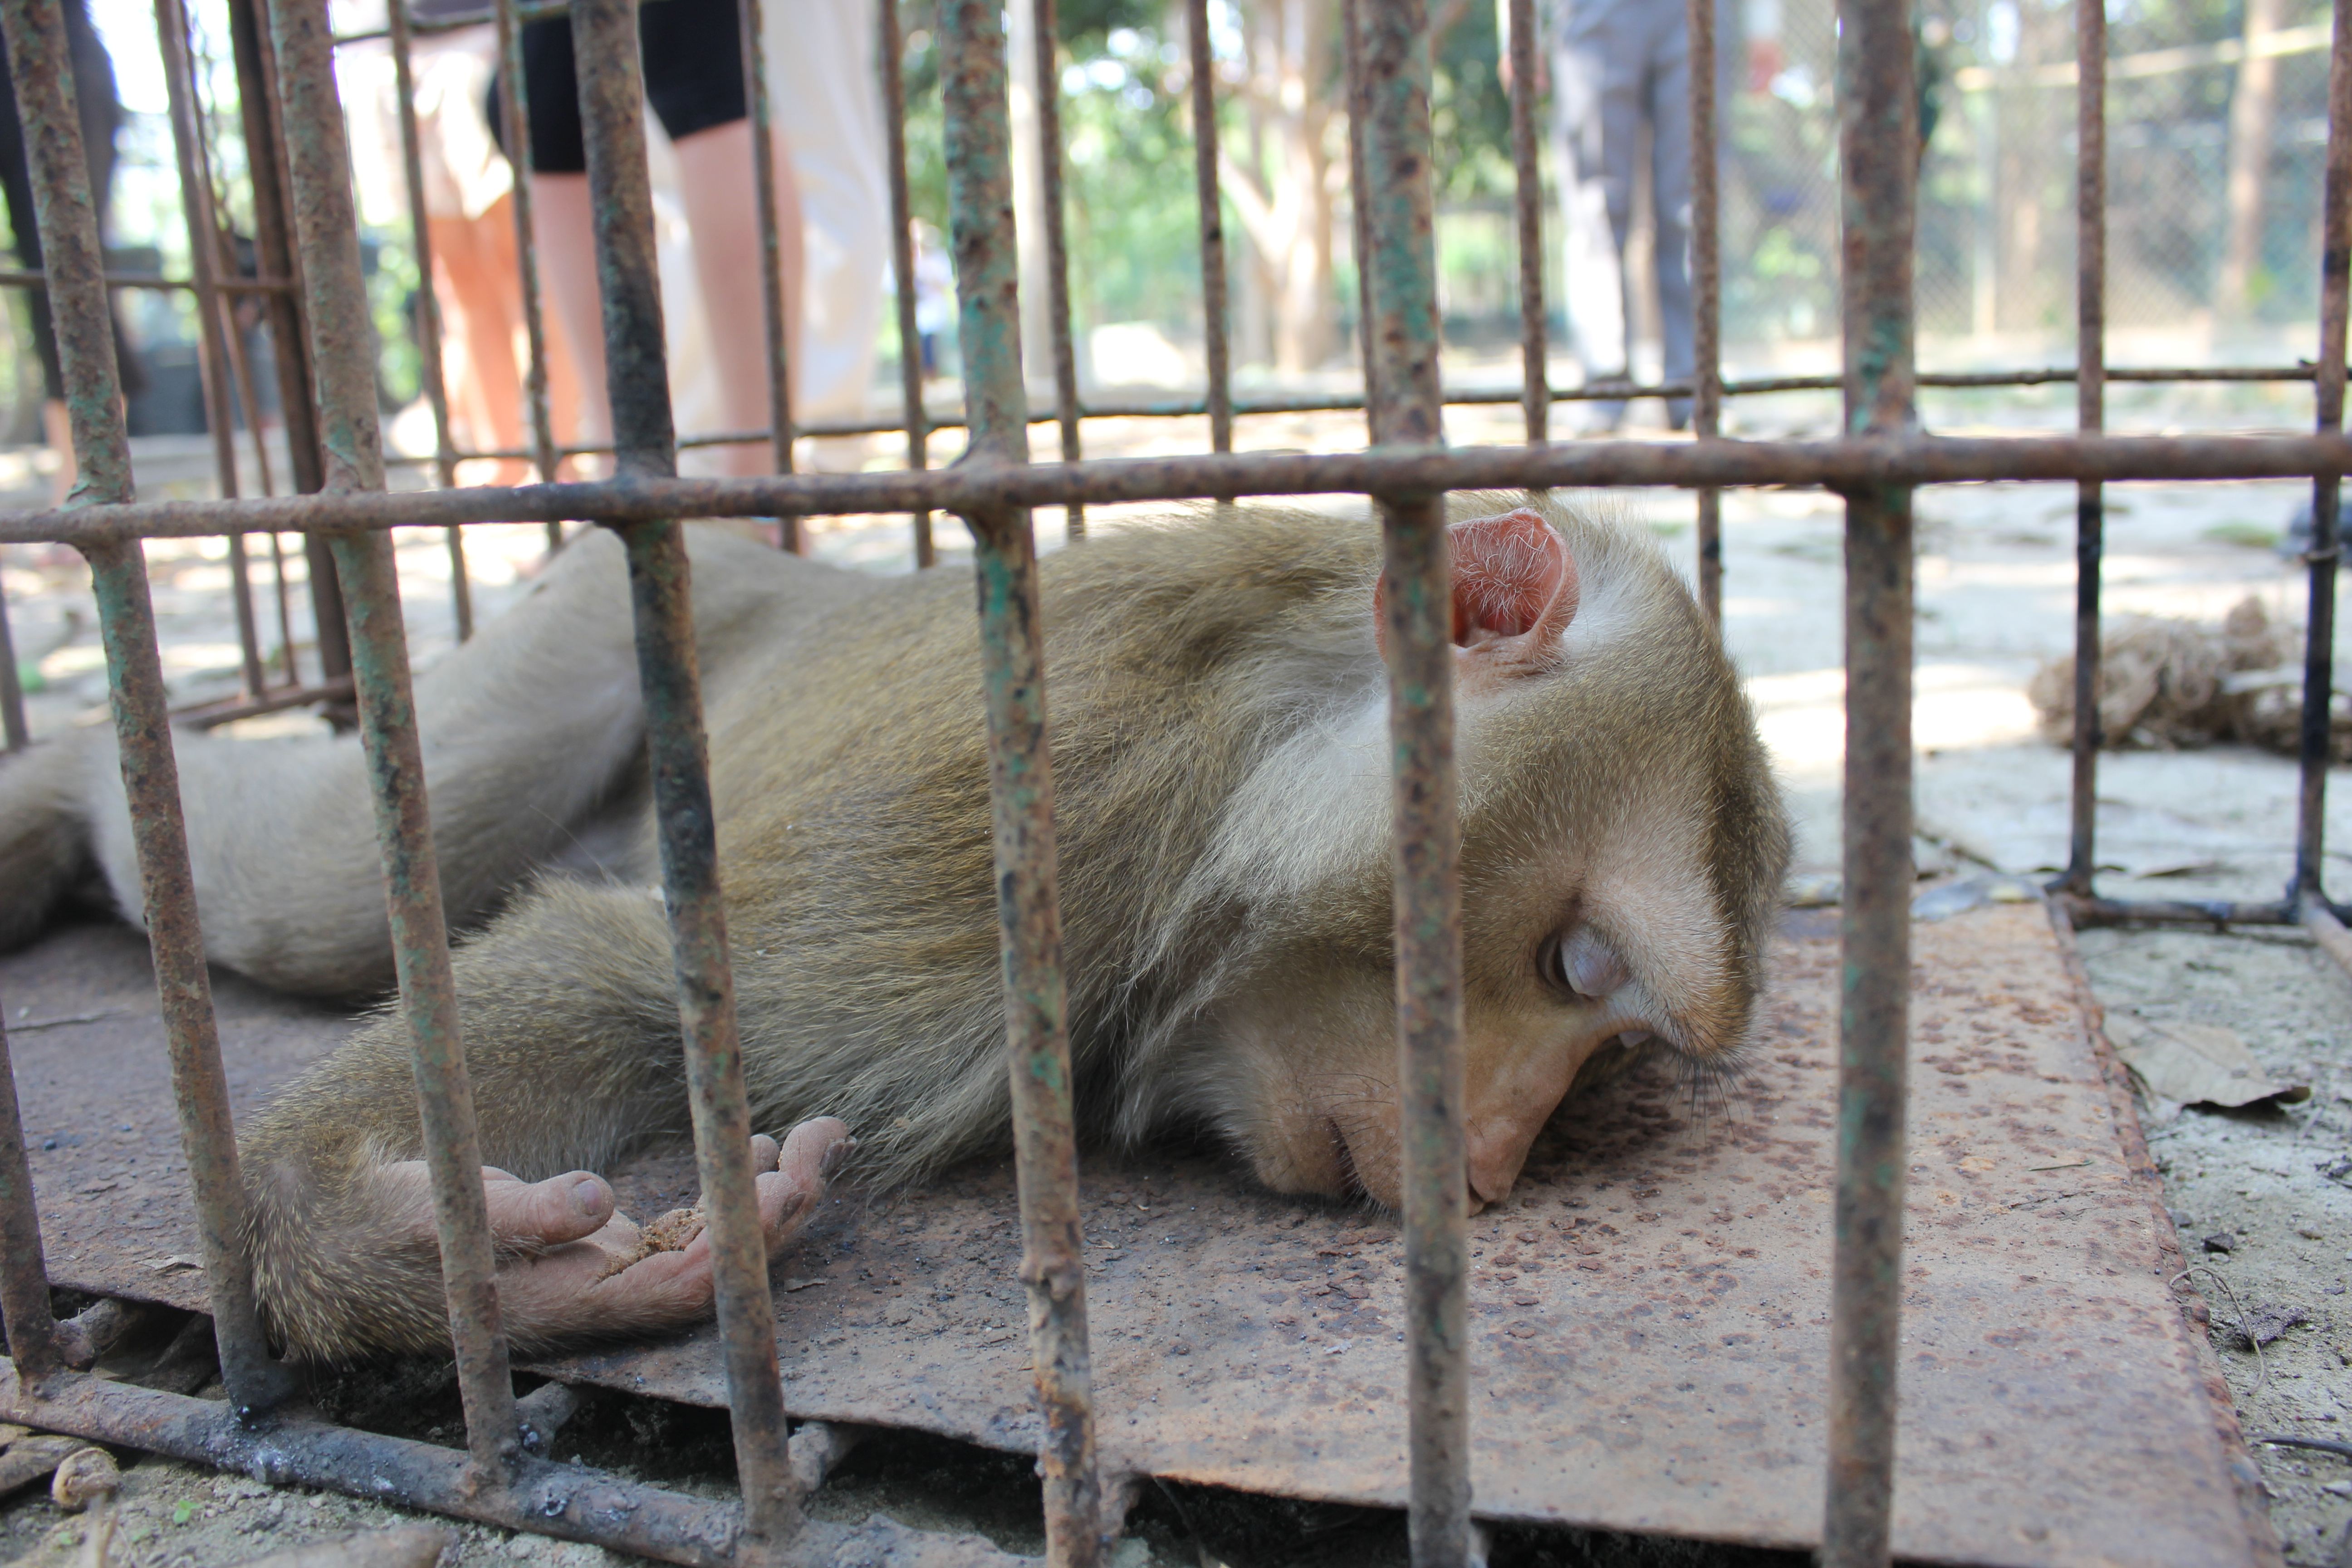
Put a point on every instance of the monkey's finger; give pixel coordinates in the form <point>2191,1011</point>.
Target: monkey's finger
<point>814,1150</point>
<point>764,1153</point>
<point>560,1209</point>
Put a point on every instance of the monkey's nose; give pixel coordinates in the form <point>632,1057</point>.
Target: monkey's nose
<point>1494,1164</point>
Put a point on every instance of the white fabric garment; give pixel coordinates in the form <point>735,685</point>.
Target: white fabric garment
<point>465,173</point>
<point>825,96</point>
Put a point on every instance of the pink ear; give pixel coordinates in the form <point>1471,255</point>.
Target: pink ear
<point>1515,591</point>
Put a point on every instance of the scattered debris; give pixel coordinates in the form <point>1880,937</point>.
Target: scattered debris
<point>2222,1242</point>
<point>84,1477</point>
<point>2265,1324</point>
<point>2178,1063</point>
<point>1972,893</point>
<point>673,1232</point>
<point>2169,685</point>
<point>28,1457</point>
<point>405,1546</point>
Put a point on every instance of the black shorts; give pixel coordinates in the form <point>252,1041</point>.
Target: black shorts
<point>693,52</point>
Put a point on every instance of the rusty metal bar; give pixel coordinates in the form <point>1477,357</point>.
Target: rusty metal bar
<point>1021,783</point>
<point>772,255</point>
<point>342,353</point>
<point>1879,155</point>
<point>1870,460</point>
<point>19,278</point>
<point>249,628</point>
<point>1534,352</point>
<point>428,995</point>
<point>196,210</point>
<point>214,327</point>
<point>1339,402</point>
<point>2325,929</point>
<point>1057,251</point>
<point>68,222</point>
<point>515,135</point>
<point>1214,309</point>
<point>222,354</point>
<point>1417,596</point>
<point>612,113</point>
<point>890,59</point>
<point>285,609</point>
<point>2327,521</point>
<point>270,183</point>
<point>2090,414</point>
<point>1359,213</point>
<point>1707,293</point>
<point>436,392</point>
<point>24,1272</point>
<point>168,897</point>
<point>13,729</point>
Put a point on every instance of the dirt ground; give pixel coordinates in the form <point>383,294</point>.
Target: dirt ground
<point>2272,1187</point>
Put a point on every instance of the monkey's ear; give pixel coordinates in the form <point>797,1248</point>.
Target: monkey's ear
<point>1515,591</point>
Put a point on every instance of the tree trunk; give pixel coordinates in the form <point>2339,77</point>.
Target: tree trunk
<point>2253,112</point>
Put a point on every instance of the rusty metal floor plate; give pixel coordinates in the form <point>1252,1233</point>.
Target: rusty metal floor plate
<point>1649,1311</point>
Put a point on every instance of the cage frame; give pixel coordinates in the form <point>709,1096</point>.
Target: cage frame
<point>312,282</point>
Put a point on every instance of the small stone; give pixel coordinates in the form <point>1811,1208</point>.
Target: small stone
<point>2221,1241</point>
<point>1180,1348</point>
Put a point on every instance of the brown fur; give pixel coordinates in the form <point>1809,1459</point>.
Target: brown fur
<point>1217,702</point>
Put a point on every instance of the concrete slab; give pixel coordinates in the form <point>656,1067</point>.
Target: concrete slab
<point>1649,1311</point>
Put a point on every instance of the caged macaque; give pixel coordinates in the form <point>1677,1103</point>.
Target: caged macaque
<point>1220,746</point>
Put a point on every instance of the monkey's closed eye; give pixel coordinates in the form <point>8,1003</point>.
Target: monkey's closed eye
<point>1585,966</point>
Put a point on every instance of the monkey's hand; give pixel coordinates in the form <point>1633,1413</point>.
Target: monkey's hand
<point>571,1266</point>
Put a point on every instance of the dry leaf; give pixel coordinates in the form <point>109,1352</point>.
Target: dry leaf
<point>2194,1064</point>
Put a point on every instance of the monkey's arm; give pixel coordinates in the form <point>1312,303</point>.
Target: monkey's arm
<point>573,1046</point>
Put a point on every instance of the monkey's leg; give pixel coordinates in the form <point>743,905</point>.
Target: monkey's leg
<point>44,849</point>
<point>571,1040</point>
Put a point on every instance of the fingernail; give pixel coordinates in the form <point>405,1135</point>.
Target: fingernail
<point>836,1156</point>
<point>590,1196</point>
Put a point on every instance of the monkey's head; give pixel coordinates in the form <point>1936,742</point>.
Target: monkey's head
<point>1623,844</point>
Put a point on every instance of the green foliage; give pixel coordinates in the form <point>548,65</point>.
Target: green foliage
<point>1469,113</point>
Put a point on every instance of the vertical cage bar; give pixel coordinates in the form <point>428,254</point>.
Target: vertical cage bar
<point>428,300</point>
<point>13,728</point>
<point>266,154</point>
<point>343,364</point>
<point>285,609</point>
<point>1535,348</point>
<point>1706,293</point>
<point>1058,246</point>
<point>1418,599</point>
<point>773,303</point>
<point>249,627</point>
<point>203,226</point>
<point>68,222</point>
<point>890,59</point>
<point>150,784</point>
<point>2090,416</point>
<point>1359,209</point>
<point>1214,300</point>
<point>428,995</point>
<point>514,133</point>
<point>1021,788</point>
<point>23,1271</point>
<point>612,113</point>
<point>2327,497</point>
<point>213,331</point>
<point>1878,153</point>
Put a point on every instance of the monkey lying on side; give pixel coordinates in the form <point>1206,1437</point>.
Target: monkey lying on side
<point>1222,773</point>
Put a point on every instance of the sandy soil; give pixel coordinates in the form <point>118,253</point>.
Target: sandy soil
<point>1996,586</point>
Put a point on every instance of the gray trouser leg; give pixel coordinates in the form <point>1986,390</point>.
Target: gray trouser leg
<point>1596,83</point>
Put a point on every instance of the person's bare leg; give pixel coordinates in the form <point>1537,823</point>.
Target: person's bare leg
<point>563,224</point>
<point>58,432</point>
<point>715,180</point>
<point>481,304</point>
